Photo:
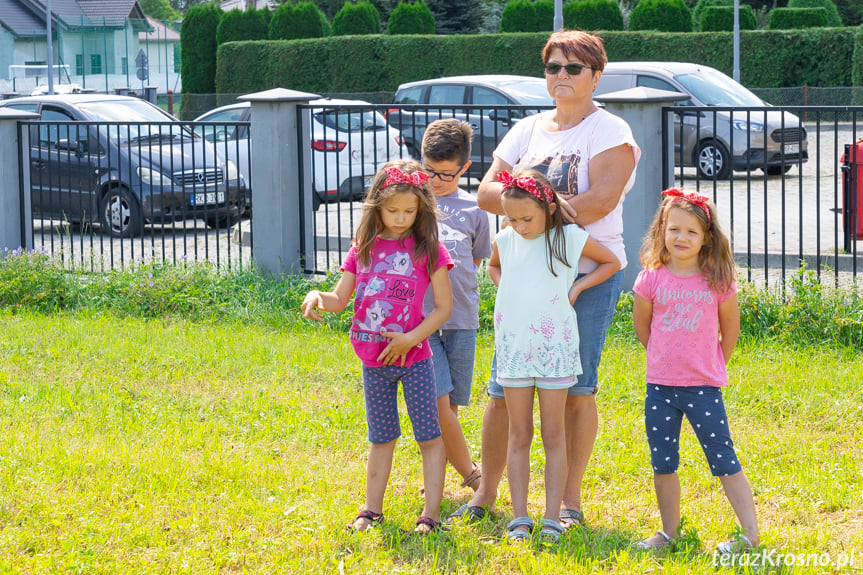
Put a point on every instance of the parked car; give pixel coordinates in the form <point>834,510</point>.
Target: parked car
<point>125,163</point>
<point>451,93</point>
<point>774,141</point>
<point>350,142</point>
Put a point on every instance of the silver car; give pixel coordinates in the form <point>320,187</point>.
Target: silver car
<point>716,142</point>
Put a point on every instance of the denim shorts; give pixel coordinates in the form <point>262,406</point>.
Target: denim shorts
<point>594,309</point>
<point>453,358</point>
<point>664,408</point>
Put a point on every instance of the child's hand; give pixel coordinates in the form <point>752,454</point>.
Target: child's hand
<point>398,348</point>
<point>311,304</point>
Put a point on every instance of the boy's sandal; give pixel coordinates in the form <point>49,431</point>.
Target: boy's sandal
<point>427,525</point>
<point>467,512</point>
<point>515,535</point>
<point>374,519</point>
<point>551,529</point>
<point>648,545</point>
<point>476,474</point>
<point>571,518</point>
<point>740,544</point>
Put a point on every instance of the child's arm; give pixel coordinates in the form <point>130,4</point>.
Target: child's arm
<point>401,343</point>
<point>642,313</point>
<point>335,300</point>
<point>608,266</point>
<point>494,270</point>
<point>729,326</point>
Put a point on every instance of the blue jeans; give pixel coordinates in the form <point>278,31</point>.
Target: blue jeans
<point>664,408</point>
<point>453,356</point>
<point>594,309</point>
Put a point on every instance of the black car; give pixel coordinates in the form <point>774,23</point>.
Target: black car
<point>123,162</point>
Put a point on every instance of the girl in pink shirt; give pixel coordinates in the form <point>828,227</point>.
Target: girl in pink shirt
<point>685,314</point>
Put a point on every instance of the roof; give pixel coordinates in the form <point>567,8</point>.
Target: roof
<point>27,17</point>
<point>158,32</point>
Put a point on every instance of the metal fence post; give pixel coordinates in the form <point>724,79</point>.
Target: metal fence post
<point>642,110</point>
<point>278,137</point>
<point>14,212</point>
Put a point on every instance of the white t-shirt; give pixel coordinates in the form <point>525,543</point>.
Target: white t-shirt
<point>564,157</point>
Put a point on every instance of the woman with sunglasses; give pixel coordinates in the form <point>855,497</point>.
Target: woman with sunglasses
<point>589,155</point>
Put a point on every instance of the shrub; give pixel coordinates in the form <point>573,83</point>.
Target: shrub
<point>198,49</point>
<point>701,5</point>
<point>833,18</point>
<point>518,16</point>
<point>411,19</point>
<point>593,15</point>
<point>857,66</point>
<point>238,25</point>
<point>305,20</point>
<point>721,18</point>
<point>357,19</point>
<point>544,15</point>
<point>796,18</point>
<point>661,15</point>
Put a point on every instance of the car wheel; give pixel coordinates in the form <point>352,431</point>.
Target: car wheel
<point>222,222</point>
<point>714,162</point>
<point>121,214</point>
<point>777,170</point>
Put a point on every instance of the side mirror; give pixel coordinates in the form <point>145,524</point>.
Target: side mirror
<point>67,146</point>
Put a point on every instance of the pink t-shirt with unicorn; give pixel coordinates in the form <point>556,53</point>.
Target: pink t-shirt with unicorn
<point>683,348</point>
<point>389,297</point>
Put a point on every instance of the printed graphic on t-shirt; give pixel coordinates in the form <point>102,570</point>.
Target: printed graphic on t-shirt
<point>383,303</point>
<point>561,171</point>
<point>679,314</point>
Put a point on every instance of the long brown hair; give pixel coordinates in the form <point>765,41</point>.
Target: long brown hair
<point>555,246</point>
<point>715,257</point>
<point>424,229</point>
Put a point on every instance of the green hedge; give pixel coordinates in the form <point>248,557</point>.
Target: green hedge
<point>238,25</point>
<point>359,18</point>
<point>798,18</point>
<point>833,17</point>
<point>518,16</point>
<point>592,15</point>
<point>701,5</point>
<point>769,59</point>
<point>198,48</point>
<point>661,15</point>
<point>411,19</point>
<point>721,18</point>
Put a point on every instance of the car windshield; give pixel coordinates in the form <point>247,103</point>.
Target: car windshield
<point>130,112</point>
<point>528,93</point>
<point>717,89</point>
<point>351,121</point>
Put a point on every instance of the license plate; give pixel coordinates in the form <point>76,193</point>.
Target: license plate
<point>207,198</point>
<point>791,149</point>
<point>367,181</point>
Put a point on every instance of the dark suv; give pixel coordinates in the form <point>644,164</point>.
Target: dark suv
<point>121,161</point>
<point>482,100</point>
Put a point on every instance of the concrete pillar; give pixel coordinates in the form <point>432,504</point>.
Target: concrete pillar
<point>15,221</point>
<point>281,204</point>
<point>642,110</point>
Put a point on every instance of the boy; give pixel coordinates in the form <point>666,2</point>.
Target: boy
<point>464,230</point>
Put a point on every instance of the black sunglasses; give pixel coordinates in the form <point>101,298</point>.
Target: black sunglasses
<point>573,69</point>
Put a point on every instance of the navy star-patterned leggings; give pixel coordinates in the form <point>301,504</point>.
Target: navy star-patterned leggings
<point>664,408</point>
<point>381,387</point>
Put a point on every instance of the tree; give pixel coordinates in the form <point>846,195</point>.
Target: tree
<point>238,25</point>
<point>198,49</point>
<point>305,20</point>
<point>833,18</point>
<point>518,16</point>
<point>411,19</point>
<point>662,15</point>
<point>544,15</point>
<point>159,10</point>
<point>455,16</point>
<point>355,19</point>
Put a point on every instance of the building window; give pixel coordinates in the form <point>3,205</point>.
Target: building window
<point>79,65</point>
<point>124,65</point>
<point>95,63</point>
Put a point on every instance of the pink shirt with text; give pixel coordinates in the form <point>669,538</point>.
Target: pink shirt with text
<point>683,348</point>
<point>389,297</point>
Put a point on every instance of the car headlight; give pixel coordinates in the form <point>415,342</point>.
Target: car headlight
<point>744,126</point>
<point>231,172</point>
<point>154,177</point>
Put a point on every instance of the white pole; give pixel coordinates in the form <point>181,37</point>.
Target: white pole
<point>50,59</point>
<point>736,40</point>
<point>558,15</point>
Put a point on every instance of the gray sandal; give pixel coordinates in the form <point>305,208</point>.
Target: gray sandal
<point>551,530</point>
<point>513,535</point>
<point>571,518</point>
<point>647,545</point>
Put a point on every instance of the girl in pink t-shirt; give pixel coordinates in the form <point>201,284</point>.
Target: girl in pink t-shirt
<point>394,259</point>
<point>686,316</point>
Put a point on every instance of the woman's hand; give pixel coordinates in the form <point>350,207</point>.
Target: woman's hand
<point>398,348</point>
<point>311,304</point>
<point>575,289</point>
<point>569,213</point>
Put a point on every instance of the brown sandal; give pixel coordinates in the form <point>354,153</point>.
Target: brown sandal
<point>375,519</point>
<point>476,474</point>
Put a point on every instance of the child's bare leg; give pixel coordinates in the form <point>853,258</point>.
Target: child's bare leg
<point>739,494</point>
<point>454,442</point>
<point>667,486</point>
<point>552,406</point>
<point>434,468</point>
<point>519,403</point>
<point>377,475</point>
<point>495,444</point>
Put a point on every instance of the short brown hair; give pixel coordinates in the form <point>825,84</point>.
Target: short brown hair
<point>446,140</point>
<point>586,47</point>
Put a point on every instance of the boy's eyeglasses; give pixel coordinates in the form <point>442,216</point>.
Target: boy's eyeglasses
<point>444,177</point>
<point>573,69</point>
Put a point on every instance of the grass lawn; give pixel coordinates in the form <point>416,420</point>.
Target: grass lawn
<point>161,446</point>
